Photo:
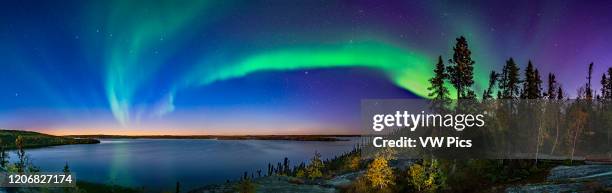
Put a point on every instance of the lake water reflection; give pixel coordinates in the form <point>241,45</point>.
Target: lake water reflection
<point>157,164</point>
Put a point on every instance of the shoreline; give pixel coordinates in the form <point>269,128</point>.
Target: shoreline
<point>34,140</point>
<point>223,137</point>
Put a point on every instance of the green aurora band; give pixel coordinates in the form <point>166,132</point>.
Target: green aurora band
<point>406,69</point>
<point>140,32</point>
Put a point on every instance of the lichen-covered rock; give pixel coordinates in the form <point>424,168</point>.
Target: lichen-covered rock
<point>583,178</point>
<point>276,184</point>
<point>579,172</point>
<point>344,180</point>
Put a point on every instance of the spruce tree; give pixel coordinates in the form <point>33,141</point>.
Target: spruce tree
<point>560,95</point>
<point>609,85</point>
<point>286,169</point>
<point>537,92</point>
<point>270,169</point>
<point>532,84</point>
<point>461,73</point>
<point>66,169</point>
<point>589,91</point>
<point>604,87</point>
<point>438,92</point>
<point>279,169</point>
<point>488,94</point>
<point>552,87</point>
<point>509,81</point>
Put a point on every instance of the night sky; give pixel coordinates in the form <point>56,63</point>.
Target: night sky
<point>265,67</point>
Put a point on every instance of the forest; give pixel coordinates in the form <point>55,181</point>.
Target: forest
<point>533,126</point>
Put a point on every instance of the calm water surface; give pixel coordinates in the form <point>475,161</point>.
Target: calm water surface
<point>157,164</point>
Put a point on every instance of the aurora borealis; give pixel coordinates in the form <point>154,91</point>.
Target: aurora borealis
<point>216,67</point>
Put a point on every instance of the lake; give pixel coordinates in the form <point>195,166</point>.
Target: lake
<point>157,164</point>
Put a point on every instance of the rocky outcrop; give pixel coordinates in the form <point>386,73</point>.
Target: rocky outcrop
<point>344,180</point>
<point>276,184</point>
<point>561,173</point>
<point>583,178</point>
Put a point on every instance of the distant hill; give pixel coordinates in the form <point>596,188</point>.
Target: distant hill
<point>35,139</point>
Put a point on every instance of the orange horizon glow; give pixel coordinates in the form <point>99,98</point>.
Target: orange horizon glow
<point>65,132</point>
